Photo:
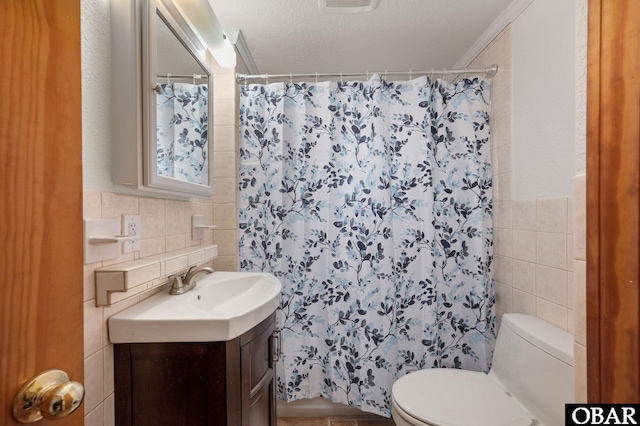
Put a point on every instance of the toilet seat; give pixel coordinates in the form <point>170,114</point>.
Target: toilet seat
<point>451,397</point>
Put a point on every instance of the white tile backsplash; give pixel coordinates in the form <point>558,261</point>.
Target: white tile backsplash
<point>524,215</point>
<point>109,411</point>
<point>504,269</point>
<point>551,250</point>
<point>524,276</point>
<point>175,217</point>
<point>91,204</point>
<point>92,328</point>
<point>503,242</point>
<point>115,205</point>
<point>153,211</point>
<point>551,284</point>
<point>503,214</point>
<point>504,158</point>
<point>524,303</point>
<point>152,246</point>
<point>580,301</point>
<point>501,130</point>
<point>93,381</point>
<point>580,217</point>
<point>108,386</point>
<point>504,297</point>
<point>552,215</point>
<point>175,242</point>
<point>225,138</point>
<point>552,312</point>
<point>524,245</point>
<point>95,417</point>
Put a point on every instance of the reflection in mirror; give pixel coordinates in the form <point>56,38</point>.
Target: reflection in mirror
<point>182,110</point>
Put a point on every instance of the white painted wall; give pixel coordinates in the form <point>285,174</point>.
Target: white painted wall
<point>544,100</point>
<point>96,96</point>
<point>581,85</point>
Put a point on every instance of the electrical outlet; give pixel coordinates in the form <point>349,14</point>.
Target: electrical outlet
<point>132,227</point>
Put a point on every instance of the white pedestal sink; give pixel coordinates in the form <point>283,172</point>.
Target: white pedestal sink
<point>223,306</point>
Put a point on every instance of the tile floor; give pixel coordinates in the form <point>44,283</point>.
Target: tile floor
<point>335,421</point>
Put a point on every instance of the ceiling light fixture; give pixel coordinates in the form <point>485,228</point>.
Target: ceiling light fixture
<point>347,6</point>
<point>204,22</point>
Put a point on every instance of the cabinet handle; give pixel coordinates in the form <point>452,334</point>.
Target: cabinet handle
<point>277,344</point>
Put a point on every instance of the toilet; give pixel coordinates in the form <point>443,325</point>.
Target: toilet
<point>530,381</point>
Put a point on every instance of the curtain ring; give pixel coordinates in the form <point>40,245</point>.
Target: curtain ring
<point>341,81</point>
<point>194,80</point>
<point>316,78</point>
<point>168,78</point>
<point>266,79</point>
<point>385,75</point>
<point>410,73</point>
<point>443,73</point>
<point>291,78</point>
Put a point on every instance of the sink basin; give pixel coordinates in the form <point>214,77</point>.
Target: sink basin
<point>221,307</point>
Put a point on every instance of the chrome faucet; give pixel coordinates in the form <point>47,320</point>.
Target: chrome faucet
<point>182,283</point>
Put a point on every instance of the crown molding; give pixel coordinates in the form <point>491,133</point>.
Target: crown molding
<point>236,38</point>
<point>500,23</point>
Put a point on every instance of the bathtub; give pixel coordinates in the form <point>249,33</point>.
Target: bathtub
<point>314,407</point>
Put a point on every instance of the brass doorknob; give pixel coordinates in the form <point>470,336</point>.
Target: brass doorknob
<point>49,395</point>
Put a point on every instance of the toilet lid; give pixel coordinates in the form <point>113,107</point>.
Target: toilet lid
<point>451,397</point>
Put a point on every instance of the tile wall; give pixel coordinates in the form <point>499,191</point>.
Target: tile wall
<point>580,287</point>
<point>534,260</point>
<point>225,165</point>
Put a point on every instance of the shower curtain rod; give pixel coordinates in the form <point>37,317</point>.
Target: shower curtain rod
<point>489,72</point>
<point>196,76</point>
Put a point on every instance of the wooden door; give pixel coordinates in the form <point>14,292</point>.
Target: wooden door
<point>41,321</point>
<point>613,202</point>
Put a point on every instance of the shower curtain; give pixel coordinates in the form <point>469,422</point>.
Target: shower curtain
<point>371,202</point>
<point>181,116</point>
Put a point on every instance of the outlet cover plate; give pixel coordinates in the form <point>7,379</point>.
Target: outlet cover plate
<point>132,227</point>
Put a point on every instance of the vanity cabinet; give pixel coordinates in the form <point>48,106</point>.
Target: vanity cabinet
<point>202,383</point>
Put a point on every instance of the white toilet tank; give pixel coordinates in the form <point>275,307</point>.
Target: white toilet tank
<point>533,360</point>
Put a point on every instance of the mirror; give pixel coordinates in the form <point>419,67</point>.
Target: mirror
<point>179,107</point>
<point>168,111</point>
<point>182,111</point>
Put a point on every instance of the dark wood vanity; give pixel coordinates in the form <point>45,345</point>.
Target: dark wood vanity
<point>192,384</point>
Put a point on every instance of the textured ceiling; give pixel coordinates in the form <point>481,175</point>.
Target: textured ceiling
<point>294,36</point>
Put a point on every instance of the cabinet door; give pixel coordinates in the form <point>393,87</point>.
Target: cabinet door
<point>258,380</point>
<point>170,384</point>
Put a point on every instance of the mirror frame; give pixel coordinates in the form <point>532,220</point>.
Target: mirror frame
<point>169,14</point>
<point>134,75</point>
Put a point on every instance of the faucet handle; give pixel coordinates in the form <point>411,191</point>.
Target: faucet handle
<point>187,272</point>
<point>177,286</point>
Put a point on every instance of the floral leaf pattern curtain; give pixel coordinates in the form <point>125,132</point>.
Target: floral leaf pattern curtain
<point>182,132</point>
<point>371,202</point>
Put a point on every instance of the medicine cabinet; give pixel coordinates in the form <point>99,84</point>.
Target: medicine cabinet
<point>162,101</point>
